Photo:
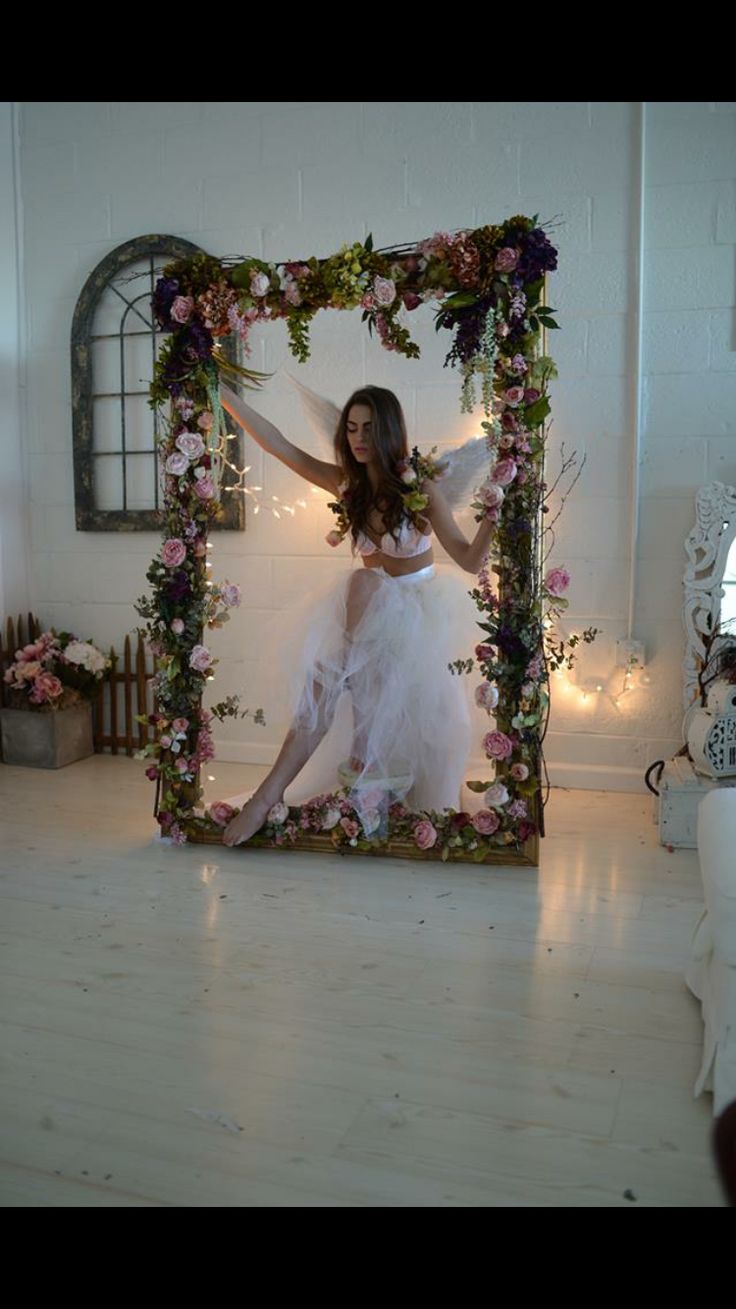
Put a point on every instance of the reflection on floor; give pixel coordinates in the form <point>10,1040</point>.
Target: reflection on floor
<point>207,1027</point>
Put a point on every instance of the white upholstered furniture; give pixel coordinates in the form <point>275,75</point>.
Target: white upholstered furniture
<point>711,972</point>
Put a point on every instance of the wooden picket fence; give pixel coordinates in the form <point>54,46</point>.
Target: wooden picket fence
<point>113,708</point>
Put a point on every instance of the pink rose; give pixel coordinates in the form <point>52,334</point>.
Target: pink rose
<point>557,580</point>
<point>33,651</point>
<point>497,745</point>
<point>182,766</point>
<point>486,696</point>
<point>491,495</point>
<point>152,773</point>
<point>259,284</point>
<point>190,444</point>
<point>46,687</point>
<point>200,549</point>
<point>504,472</point>
<point>513,395</point>
<point>185,406</point>
<point>292,294</point>
<point>519,772</point>
<point>483,652</point>
<point>182,308</point>
<point>205,420</point>
<point>384,291</point>
<point>177,464</point>
<point>205,488</point>
<point>334,537</point>
<point>165,742</point>
<point>180,724</point>
<point>349,827</point>
<point>411,300</point>
<point>531,394</point>
<point>506,260</point>
<point>425,835</point>
<point>173,552</point>
<point>485,822</point>
<point>177,626</point>
<point>368,301</point>
<point>221,813</point>
<point>24,672</point>
<point>231,595</point>
<point>496,796</point>
<point>200,659</point>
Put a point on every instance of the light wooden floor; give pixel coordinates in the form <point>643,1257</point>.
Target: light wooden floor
<point>203,1027</point>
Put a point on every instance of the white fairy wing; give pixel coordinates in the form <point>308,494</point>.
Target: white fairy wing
<point>322,414</point>
<point>467,466</point>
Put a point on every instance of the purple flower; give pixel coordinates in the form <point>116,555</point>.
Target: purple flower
<point>166,292</point>
<point>179,587</point>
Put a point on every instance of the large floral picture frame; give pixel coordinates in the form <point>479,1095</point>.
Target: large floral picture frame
<point>488,289</point>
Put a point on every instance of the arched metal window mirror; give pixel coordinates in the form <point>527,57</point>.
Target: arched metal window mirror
<point>114,346</point>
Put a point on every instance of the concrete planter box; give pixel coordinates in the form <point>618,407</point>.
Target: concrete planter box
<point>46,740</point>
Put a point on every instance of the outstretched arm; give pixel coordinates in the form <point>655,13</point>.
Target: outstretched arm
<point>271,439</point>
<point>468,554</point>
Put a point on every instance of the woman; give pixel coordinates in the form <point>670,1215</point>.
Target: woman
<point>384,632</point>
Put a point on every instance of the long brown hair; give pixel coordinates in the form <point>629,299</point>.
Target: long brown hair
<point>389,444</point>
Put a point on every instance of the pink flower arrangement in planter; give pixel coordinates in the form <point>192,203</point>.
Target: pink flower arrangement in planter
<point>54,672</point>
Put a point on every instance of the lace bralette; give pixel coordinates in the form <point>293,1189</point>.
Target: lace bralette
<point>411,542</point>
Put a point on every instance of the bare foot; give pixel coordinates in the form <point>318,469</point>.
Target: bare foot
<point>249,821</point>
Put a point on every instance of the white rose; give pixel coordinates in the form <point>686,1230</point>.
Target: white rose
<point>371,820</point>
<point>278,814</point>
<point>496,795</point>
<point>86,655</point>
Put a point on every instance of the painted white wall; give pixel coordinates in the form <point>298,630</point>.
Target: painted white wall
<point>644,293</point>
<point>14,583</point>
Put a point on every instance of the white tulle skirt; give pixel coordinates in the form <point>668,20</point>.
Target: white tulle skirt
<point>366,658</point>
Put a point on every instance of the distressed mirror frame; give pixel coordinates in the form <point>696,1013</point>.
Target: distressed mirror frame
<point>707,546</point>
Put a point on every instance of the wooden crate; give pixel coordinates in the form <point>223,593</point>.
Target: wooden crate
<point>680,791</point>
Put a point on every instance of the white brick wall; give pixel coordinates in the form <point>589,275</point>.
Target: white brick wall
<point>14,516</point>
<point>287,180</point>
